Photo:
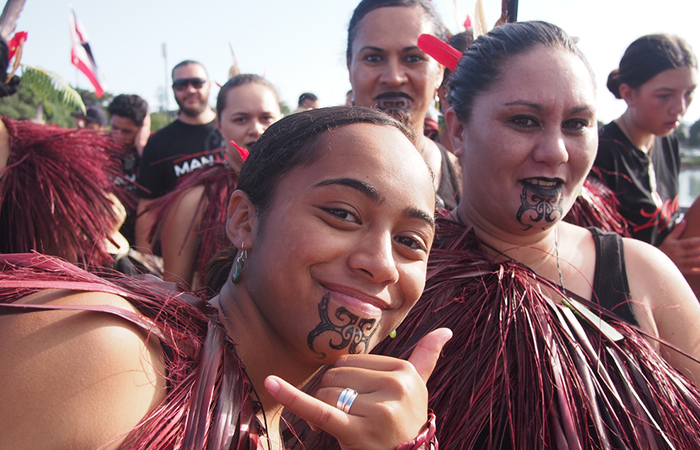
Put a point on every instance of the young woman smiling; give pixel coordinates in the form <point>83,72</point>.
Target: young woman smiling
<point>332,222</point>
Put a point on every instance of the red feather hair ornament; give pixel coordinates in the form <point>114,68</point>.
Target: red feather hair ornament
<point>241,151</point>
<point>441,51</point>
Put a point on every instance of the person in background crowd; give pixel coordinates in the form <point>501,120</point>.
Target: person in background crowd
<point>192,217</point>
<point>307,101</point>
<point>191,142</point>
<point>460,41</point>
<point>129,121</point>
<point>94,119</point>
<point>130,127</point>
<point>389,72</point>
<point>638,155</point>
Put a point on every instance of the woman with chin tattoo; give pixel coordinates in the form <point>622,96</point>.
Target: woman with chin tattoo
<point>331,226</point>
<point>389,72</point>
<point>565,337</point>
<point>191,218</point>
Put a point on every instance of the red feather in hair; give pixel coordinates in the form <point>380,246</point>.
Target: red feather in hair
<point>441,51</point>
<point>241,151</point>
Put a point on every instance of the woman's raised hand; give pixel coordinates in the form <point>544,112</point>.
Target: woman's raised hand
<point>683,251</point>
<point>391,406</point>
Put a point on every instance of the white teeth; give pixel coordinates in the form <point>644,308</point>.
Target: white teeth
<point>543,183</point>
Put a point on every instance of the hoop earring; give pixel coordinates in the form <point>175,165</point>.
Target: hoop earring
<point>239,263</point>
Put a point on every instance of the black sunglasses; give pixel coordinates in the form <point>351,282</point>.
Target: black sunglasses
<point>182,83</point>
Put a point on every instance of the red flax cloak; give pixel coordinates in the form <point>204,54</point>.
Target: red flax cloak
<point>523,372</point>
<point>57,193</point>
<point>219,182</point>
<point>209,403</point>
<point>597,206</point>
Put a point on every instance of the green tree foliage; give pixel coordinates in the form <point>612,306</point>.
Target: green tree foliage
<point>51,88</point>
<point>285,109</point>
<point>43,95</point>
<point>22,105</point>
<point>90,99</point>
<point>694,135</point>
<point>160,119</point>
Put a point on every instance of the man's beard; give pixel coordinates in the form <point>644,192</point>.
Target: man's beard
<point>191,111</point>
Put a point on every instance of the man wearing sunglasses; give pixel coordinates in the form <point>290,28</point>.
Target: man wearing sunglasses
<point>191,142</point>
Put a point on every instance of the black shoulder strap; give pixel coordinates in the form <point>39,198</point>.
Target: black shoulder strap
<point>610,285</point>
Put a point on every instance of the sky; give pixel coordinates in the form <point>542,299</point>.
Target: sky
<point>299,45</point>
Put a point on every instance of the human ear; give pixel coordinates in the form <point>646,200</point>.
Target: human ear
<point>455,130</point>
<point>440,76</point>
<point>242,218</point>
<point>627,94</point>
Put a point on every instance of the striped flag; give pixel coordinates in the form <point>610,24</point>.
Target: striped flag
<point>81,55</point>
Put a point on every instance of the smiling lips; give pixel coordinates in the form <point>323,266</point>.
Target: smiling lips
<point>366,305</point>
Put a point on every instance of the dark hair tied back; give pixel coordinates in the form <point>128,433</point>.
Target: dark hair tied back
<point>240,80</point>
<point>367,6</point>
<point>647,57</point>
<point>484,62</point>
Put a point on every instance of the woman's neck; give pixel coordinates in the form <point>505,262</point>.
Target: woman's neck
<point>538,251</point>
<point>641,138</point>
<point>260,350</point>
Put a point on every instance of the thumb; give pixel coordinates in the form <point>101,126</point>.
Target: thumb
<point>678,230</point>
<point>427,352</point>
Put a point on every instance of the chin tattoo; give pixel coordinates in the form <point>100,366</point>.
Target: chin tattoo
<point>538,204</point>
<point>398,108</point>
<point>344,330</point>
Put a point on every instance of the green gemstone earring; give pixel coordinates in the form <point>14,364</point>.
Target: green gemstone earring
<point>240,261</point>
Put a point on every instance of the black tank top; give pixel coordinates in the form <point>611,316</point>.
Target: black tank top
<point>610,284</point>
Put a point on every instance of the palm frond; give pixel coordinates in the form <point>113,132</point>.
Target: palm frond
<point>50,86</point>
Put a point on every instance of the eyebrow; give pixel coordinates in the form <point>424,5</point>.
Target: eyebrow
<point>671,89</point>
<point>538,107</point>
<point>378,49</point>
<point>371,193</point>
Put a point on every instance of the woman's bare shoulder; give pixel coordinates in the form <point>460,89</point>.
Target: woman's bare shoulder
<point>185,205</point>
<point>650,271</point>
<point>84,378</point>
<point>657,285</point>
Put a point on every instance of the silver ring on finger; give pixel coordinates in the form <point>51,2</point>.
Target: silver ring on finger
<point>345,400</point>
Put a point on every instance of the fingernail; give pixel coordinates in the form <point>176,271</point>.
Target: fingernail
<point>272,385</point>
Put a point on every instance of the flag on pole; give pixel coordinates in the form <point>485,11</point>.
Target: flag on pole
<point>81,55</point>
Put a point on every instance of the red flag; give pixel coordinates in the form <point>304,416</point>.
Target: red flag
<point>81,55</point>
